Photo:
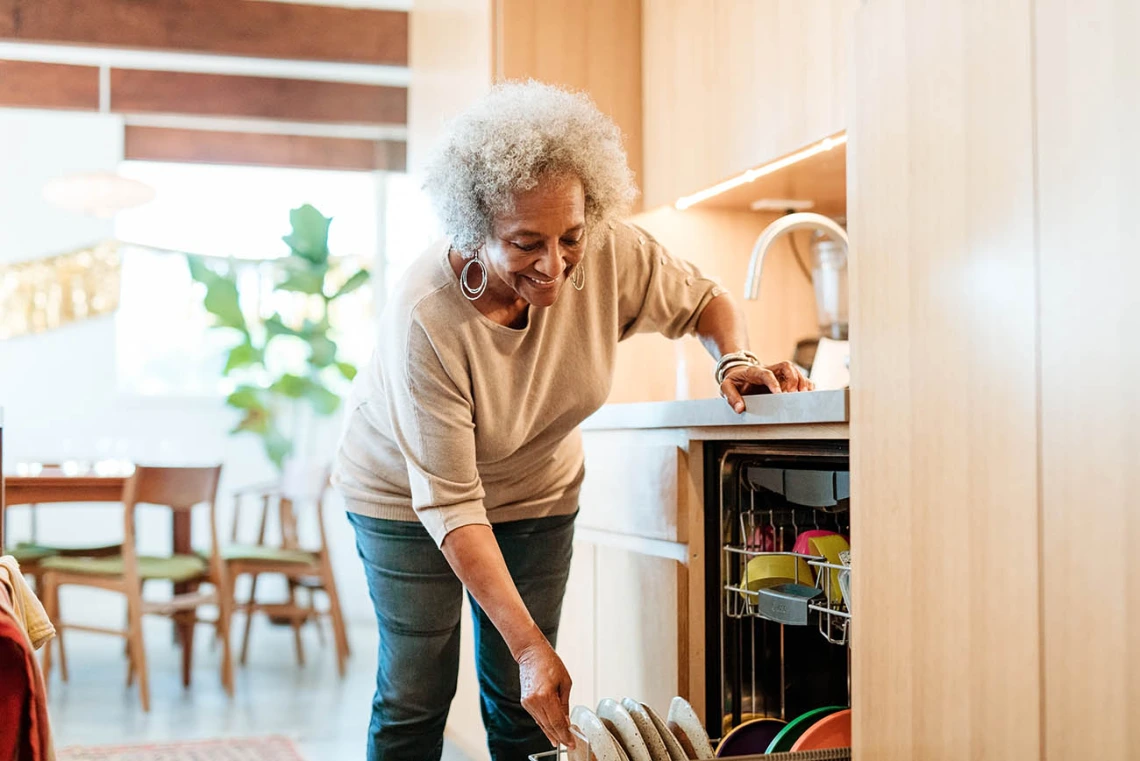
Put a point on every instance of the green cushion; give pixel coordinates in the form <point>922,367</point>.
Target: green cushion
<point>175,568</point>
<point>26,552</point>
<point>273,554</point>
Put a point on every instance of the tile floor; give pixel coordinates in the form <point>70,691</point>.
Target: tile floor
<point>325,716</point>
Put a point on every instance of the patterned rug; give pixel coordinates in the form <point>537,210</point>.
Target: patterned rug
<point>231,749</point>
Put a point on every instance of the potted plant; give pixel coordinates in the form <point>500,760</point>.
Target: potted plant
<point>287,367</point>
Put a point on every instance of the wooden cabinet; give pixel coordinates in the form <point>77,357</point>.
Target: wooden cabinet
<point>457,49</point>
<point>994,380</point>
<point>731,84</point>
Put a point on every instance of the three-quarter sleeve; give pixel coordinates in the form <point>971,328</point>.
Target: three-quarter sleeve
<point>659,293</point>
<point>433,426</point>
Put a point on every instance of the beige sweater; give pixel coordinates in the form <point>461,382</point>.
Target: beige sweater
<point>458,420</point>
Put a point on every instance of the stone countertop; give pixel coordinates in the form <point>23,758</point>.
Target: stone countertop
<point>806,408</point>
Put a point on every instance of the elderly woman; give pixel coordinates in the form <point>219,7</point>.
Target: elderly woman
<point>461,460</point>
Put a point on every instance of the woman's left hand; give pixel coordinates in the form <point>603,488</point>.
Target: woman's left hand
<point>778,378</point>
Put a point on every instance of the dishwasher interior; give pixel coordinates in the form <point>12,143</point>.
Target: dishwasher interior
<point>777,526</point>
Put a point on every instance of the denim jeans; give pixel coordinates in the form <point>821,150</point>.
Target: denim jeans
<point>418,599</point>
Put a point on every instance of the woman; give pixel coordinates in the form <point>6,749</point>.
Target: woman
<point>461,460</point>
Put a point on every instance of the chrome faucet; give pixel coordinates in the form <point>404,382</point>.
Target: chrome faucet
<point>786,224</point>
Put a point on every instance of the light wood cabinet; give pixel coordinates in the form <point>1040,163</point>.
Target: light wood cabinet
<point>994,380</point>
<point>731,84</point>
<point>1088,118</point>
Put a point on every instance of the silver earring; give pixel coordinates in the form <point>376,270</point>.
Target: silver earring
<point>578,276</point>
<point>473,293</point>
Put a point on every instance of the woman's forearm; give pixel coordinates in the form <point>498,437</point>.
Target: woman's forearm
<point>475,557</point>
<point>721,327</point>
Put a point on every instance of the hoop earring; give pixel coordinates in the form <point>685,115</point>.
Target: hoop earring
<point>469,292</point>
<point>578,276</point>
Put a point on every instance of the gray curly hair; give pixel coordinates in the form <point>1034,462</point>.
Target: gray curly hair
<point>508,141</point>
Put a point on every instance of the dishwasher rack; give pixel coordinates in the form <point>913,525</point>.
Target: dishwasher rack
<point>767,657</point>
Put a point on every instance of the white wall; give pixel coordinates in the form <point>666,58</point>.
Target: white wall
<point>58,389</point>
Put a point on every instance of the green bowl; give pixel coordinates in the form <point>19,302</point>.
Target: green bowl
<point>783,742</point>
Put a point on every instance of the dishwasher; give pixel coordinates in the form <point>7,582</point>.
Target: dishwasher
<point>777,646</point>
<point>771,650</point>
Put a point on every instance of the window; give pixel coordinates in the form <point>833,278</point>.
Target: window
<point>163,345</point>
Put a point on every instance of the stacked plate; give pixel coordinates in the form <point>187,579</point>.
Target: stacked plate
<point>632,731</point>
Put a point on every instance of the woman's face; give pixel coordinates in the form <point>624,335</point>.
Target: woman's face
<point>533,249</point>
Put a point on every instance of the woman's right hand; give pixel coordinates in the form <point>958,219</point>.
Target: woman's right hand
<point>546,691</point>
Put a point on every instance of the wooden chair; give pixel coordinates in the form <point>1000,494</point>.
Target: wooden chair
<point>180,489</point>
<point>303,569</point>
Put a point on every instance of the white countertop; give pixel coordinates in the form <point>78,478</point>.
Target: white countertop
<point>806,408</point>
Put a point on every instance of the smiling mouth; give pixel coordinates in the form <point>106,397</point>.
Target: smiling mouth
<point>540,283</point>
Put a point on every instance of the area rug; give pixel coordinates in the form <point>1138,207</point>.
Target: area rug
<point>229,749</point>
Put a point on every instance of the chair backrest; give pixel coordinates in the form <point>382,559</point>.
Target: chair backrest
<point>176,488</point>
<point>179,489</point>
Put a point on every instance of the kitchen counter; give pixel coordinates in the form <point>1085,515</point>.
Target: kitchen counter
<point>807,408</point>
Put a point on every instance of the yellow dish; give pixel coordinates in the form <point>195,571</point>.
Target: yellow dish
<point>765,571</point>
<point>829,547</point>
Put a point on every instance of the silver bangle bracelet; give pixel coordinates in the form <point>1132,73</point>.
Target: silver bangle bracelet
<point>735,359</point>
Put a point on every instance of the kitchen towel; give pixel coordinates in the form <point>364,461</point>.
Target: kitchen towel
<point>26,607</point>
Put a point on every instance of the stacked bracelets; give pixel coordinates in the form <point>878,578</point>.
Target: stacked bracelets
<point>733,359</point>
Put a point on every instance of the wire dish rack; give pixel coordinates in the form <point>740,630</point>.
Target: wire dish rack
<point>762,580</point>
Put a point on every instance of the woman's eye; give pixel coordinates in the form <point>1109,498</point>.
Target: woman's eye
<point>571,243</point>
<point>527,247</point>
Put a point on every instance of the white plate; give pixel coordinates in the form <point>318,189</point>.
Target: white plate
<point>649,734</point>
<point>676,752</point>
<point>687,727</point>
<point>625,731</point>
<point>603,747</point>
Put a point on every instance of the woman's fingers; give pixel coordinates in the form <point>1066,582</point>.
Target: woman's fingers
<point>731,395</point>
<point>546,687</point>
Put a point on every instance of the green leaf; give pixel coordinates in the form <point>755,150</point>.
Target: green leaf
<point>247,398</point>
<point>359,278</point>
<point>323,350</point>
<point>324,401</point>
<point>275,327</point>
<point>303,282</point>
<point>255,421</point>
<point>277,447</point>
<point>292,386</point>
<point>242,355</point>
<point>199,271</point>
<point>347,369</point>
<point>222,302</point>
<point>310,236</point>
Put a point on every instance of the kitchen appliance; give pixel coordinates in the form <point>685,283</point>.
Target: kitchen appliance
<point>768,653</point>
<point>829,247</point>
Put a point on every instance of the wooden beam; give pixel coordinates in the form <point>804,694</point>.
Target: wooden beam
<point>172,92</point>
<point>303,151</point>
<point>234,27</point>
<point>28,84</point>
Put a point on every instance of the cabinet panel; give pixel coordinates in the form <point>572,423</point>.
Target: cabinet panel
<point>730,84</point>
<point>1088,117</point>
<point>576,644</point>
<point>944,387</point>
<point>636,634</point>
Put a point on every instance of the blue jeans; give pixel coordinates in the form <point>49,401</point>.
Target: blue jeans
<point>418,599</point>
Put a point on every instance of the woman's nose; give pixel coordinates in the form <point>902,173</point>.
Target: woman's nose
<point>551,263</point>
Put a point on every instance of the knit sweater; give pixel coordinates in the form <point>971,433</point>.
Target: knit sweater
<point>459,420</point>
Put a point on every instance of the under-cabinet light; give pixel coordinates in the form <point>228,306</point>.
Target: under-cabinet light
<point>753,174</point>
